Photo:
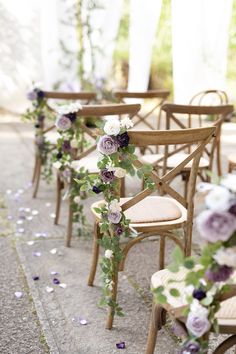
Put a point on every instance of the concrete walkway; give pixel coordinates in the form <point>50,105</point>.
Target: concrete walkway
<point>59,311</point>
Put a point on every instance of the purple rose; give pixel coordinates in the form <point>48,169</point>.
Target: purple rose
<point>197,324</point>
<point>106,175</point>
<point>41,118</point>
<point>214,226</point>
<point>119,230</point>
<point>199,294</point>
<point>40,94</point>
<point>114,217</point>
<point>66,146</point>
<point>107,145</point>
<point>32,95</point>
<point>191,348</point>
<point>221,273</point>
<point>96,190</point>
<point>71,116</point>
<point>123,139</point>
<point>63,123</point>
<point>232,209</point>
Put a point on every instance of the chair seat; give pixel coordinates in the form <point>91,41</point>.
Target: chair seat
<point>173,160</point>
<point>89,163</point>
<point>232,158</point>
<point>227,313</point>
<point>153,210</point>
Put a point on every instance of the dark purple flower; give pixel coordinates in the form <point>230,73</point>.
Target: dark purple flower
<point>37,125</point>
<point>59,155</point>
<point>120,345</point>
<point>106,175</point>
<point>96,190</point>
<point>190,347</point>
<point>232,209</point>
<point>119,230</point>
<point>40,94</point>
<point>41,118</point>
<point>123,139</point>
<point>221,273</point>
<point>199,294</point>
<point>35,277</point>
<point>71,116</point>
<point>66,146</point>
<point>56,281</point>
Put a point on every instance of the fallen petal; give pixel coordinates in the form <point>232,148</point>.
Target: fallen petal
<point>18,294</point>
<point>83,321</point>
<point>30,243</point>
<point>27,210</point>
<point>49,289</point>
<point>21,230</point>
<point>8,191</point>
<point>34,212</point>
<point>56,281</point>
<point>29,217</point>
<point>53,273</point>
<point>63,285</point>
<point>53,251</point>
<point>52,215</point>
<point>120,345</point>
<point>37,254</point>
<point>48,205</point>
<point>35,277</point>
<point>20,222</point>
<point>9,217</point>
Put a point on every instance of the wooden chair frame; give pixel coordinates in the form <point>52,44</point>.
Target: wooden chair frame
<point>164,230</point>
<point>96,111</point>
<point>65,96</point>
<point>158,319</point>
<point>193,112</point>
<point>160,95</point>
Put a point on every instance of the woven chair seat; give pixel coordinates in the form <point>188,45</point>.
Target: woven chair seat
<point>153,210</point>
<point>172,161</point>
<point>226,315</point>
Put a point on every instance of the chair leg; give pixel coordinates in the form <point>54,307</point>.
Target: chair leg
<point>110,316</point>
<point>95,255</point>
<point>122,187</point>
<point>228,343</point>
<point>162,253</point>
<point>58,199</point>
<point>230,167</point>
<point>188,239</point>
<point>218,159</point>
<point>37,177</point>
<point>35,169</point>
<point>156,322</point>
<point>69,224</point>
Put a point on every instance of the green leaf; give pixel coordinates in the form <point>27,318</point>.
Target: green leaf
<point>189,263</point>
<point>162,299</point>
<point>174,292</point>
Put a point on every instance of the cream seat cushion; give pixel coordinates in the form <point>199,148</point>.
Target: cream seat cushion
<point>173,160</point>
<point>89,163</point>
<point>227,313</point>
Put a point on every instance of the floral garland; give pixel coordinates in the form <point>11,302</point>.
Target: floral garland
<point>37,114</point>
<point>116,160</point>
<point>68,144</point>
<point>206,284</point>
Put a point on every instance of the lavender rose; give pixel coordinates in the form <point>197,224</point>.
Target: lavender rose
<point>119,230</point>
<point>221,273</point>
<point>114,217</point>
<point>123,139</point>
<point>63,123</point>
<point>190,348</point>
<point>32,95</point>
<point>107,145</point>
<point>232,209</point>
<point>106,175</point>
<point>214,226</point>
<point>197,324</point>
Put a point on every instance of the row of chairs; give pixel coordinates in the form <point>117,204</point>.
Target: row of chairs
<point>181,154</point>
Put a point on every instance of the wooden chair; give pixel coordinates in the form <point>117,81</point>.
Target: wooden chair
<point>212,98</point>
<point>231,162</point>
<point>190,117</point>
<point>85,97</point>
<point>158,215</point>
<point>85,159</point>
<point>157,97</point>
<point>174,307</point>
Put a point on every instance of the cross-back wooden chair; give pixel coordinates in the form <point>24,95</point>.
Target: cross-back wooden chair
<point>85,160</point>
<point>174,307</point>
<point>157,97</point>
<point>211,98</point>
<point>158,215</point>
<point>84,97</point>
<point>184,117</point>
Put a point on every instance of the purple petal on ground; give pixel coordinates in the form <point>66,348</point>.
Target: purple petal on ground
<point>20,209</point>
<point>37,254</point>
<point>21,230</point>
<point>56,281</point>
<point>18,294</point>
<point>35,277</point>
<point>120,345</point>
<point>9,217</point>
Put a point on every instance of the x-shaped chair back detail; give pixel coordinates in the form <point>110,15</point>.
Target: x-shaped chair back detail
<point>175,112</point>
<point>157,96</point>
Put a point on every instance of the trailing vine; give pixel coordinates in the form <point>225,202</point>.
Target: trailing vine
<point>208,277</point>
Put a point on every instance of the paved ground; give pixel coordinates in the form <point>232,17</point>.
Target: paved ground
<point>57,313</point>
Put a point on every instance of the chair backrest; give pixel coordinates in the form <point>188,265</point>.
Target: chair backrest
<point>199,138</point>
<point>187,116</point>
<point>98,112</point>
<point>158,97</point>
